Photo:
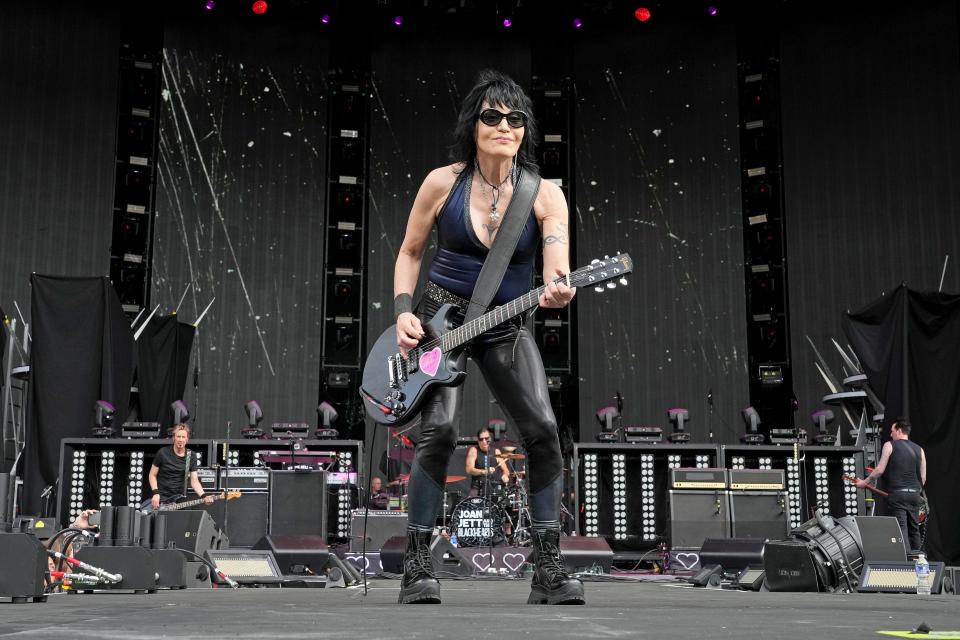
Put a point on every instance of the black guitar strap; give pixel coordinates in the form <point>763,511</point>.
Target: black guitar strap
<point>491,274</point>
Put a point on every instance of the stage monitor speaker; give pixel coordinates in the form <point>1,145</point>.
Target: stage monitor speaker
<point>788,565</point>
<point>897,577</point>
<point>758,514</point>
<point>583,554</point>
<point>381,525</point>
<point>391,554</point>
<point>42,528</point>
<point>191,530</point>
<point>696,516</point>
<point>23,564</point>
<point>709,576</point>
<point>171,568</point>
<point>951,576</point>
<point>881,539</point>
<point>245,518</point>
<point>750,579</point>
<point>448,560</point>
<point>137,567</point>
<point>246,566</point>
<point>733,554</point>
<point>297,554</point>
<point>298,503</point>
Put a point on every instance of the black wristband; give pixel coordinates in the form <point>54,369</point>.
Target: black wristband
<point>403,303</point>
<point>155,492</point>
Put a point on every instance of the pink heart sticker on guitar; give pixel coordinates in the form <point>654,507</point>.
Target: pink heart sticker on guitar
<point>430,361</point>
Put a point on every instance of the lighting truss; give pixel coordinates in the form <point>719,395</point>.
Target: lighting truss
<point>619,497</point>
<point>820,483</point>
<point>590,494</point>
<point>648,497</point>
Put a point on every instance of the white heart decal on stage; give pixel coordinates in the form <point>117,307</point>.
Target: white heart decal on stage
<point>688,560</point>
<point>356,560</point>
<point>514,560</point>
<point>482,556</point>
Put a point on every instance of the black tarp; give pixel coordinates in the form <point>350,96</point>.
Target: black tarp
<point>163,362</point>
<point>909,345</point>
<point>82,352</point>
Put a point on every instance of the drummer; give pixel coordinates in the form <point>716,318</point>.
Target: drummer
<point>483,461</point>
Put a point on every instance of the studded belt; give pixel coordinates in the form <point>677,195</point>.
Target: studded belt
<point>438,294</point>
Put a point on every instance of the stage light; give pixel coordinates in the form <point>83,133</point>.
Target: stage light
<point>590,484</point>
<point>821,419</point>
<point>259,7</point>
<point>605,417</point>
<point>577,23</point>
<point>254,413</point>
<point>180,412</point>
<point>619,497</point>
<point>647,498</point>
<point>507,22</point>
<point>497,427</point>
<point>104,413</point>
<point>711,10</point>
<point>398,21</point>
<point>642,14</point>
<point>679,417</point>
<point>327,414</point>
<point>210,4</point>
<point>325,18</point>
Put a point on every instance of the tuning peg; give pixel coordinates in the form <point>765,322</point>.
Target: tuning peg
<point>606,257</point>
<point>598,288</point>
<point>611,285</point>
<point>623,281</point>
<point>595,261</point>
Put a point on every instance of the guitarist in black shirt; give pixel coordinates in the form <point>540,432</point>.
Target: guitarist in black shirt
<point>168,471</point>
<point>903,466</point>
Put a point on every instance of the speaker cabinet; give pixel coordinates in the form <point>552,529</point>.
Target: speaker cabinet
<point>733,554</point>
<point>192,530</point>
<point>297,554</point>
<point>881,539</point>
<point>298,503</point>
<point>381,525</point>
<point>758,514</point>
<point>23,563</point>
<point>696,516</point>
<point>244,520</point>
<point>788,566</point>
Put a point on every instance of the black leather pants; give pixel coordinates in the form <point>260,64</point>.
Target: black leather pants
<point>510,363</point>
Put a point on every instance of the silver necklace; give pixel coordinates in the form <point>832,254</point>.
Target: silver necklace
<point>494,190</point>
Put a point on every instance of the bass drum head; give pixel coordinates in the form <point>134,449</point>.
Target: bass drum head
<point>477,522</point>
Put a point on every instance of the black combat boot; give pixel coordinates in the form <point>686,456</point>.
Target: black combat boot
<point>551,582</point>
<point>420,585</point>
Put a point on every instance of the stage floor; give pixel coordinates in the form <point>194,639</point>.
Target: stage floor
<point>478,609</point>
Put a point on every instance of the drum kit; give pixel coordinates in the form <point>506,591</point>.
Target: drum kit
<point>499,514</point>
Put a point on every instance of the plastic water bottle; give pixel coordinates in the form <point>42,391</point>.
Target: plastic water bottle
<point>453,541</point>
<point>923,575</point>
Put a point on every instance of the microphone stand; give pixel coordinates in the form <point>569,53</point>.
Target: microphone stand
<point>710,421</point>
<point>226,477</point>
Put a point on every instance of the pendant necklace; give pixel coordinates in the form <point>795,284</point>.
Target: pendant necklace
<point>494,191</point>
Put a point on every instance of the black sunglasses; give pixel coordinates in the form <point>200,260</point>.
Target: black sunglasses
<point>492,117</point>
<point>483,439</point>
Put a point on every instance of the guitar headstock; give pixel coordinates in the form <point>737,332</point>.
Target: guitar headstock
<point>603,274</point>
<point>232,495</point>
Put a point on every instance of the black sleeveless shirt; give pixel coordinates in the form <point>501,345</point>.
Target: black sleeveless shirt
<point>903,467</point>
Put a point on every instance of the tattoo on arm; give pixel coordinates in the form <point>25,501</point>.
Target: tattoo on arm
<point>560,236</point>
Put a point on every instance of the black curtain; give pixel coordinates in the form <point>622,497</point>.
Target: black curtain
<point>909,345</point>
<point>163,361</point>
<point>82,352</point>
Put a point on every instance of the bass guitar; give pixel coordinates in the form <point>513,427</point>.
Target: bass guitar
<point>147,506</point>
<point>394,385</point>
<point>870,487</point>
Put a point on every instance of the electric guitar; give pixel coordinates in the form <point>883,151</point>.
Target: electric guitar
<point>147,506</point>
<point>394,385</point>
<point>879,492</point>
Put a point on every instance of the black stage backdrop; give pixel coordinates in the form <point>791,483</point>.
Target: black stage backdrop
<point>657,170</point>
<point>909,345</point>
<point>82,352</point>
<point>240,213</point>
<point>870,137</point>
<point>163,363</point>
<point>58,110</point>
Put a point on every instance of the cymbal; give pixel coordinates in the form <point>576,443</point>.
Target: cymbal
<point>451,479</point>
<point>512,456</point>
<point>519,474</point>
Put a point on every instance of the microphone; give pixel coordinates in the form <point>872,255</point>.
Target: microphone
<point>710,396</point>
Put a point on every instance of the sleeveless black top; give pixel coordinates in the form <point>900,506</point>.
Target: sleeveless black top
<point>903,467</point>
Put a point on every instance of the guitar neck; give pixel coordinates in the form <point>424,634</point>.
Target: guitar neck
<point>191,503</point>
<point>466,332</point>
